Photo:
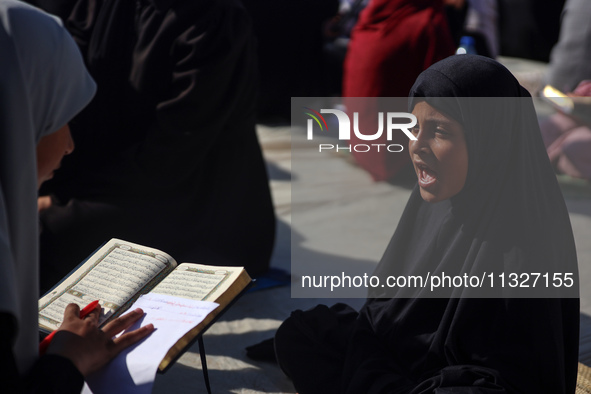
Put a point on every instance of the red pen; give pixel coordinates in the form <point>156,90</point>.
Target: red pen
<point>47,340</point>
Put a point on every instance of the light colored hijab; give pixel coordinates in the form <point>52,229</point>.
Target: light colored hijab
<point>43,85</point>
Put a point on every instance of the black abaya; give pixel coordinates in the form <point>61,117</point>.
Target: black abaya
<point>509,217</point>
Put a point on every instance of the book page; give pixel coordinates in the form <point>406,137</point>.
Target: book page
<point>198,282</point>
<point>134,369</point>
<point>113,275</point>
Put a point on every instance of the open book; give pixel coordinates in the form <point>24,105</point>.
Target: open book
<point>119,272</point>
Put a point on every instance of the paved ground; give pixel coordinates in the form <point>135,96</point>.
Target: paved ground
<point>333,193</point>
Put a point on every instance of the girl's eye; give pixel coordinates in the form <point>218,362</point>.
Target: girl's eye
<point>414,130</point>
<point>441,131</point>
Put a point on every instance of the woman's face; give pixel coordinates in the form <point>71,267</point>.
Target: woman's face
<point>50,151</point>
<point>439,155</point>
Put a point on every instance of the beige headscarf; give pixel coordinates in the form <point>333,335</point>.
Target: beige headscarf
<point>43,84</point>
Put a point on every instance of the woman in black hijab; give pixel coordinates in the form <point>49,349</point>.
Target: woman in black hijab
<point>487,205</point>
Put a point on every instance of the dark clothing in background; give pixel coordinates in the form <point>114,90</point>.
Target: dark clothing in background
<point>60,8</point>
<point>456,20</point>
<point>510,216</point>
<point>289,46</point>
<point>166,153</point>
<point>528,28</point>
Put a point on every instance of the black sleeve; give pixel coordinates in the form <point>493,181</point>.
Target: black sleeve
<point>51,374</point>
<point>371,370</point>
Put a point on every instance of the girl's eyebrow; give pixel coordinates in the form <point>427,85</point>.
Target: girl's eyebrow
<point>442,120</point>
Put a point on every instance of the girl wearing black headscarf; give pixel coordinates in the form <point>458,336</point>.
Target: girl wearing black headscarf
<point>487,202</point>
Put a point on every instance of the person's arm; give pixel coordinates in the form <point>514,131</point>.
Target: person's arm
<point>50,374</point>
<point>53,374</point>
<point>77,349</point>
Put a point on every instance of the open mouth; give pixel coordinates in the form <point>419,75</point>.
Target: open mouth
<point>426,176</point>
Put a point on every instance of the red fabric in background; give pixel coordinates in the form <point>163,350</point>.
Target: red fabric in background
<point>391,44</point>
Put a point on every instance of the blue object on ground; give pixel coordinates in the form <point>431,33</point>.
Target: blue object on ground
<point>274,277</point>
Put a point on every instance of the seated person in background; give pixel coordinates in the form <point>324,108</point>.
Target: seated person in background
<point>166,153</point>
<point>44,84</point>
<point>568,138</point>
<point>391,44</point>
<point>570,59</point>
<point>486,199</point>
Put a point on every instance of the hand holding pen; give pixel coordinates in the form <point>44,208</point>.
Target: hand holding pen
<point>83,313</point>
<point>88,347</point>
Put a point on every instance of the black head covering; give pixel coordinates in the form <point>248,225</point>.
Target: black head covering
<point>509,217</point>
